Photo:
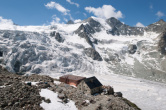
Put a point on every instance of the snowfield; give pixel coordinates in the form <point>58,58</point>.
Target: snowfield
<point>146,94</point>
<point>55,101</point>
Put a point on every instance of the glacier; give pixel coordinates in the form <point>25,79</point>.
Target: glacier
<point>34,49</point>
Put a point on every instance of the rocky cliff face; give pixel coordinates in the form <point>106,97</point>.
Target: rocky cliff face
<point>162,43</point>
<point>91,46</point>
<point>157,27</point>
<point>118,28</point>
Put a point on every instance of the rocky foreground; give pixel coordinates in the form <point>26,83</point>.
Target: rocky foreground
<point>19,93</point>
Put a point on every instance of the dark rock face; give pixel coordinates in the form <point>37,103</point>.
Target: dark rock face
<point>1,54</point>
<point>94,24</point>
<point>157,27</point>
<point>132,48</point>
<point>162,43</point>
<point>59,38</point>
<point>118,28</point>
<point>17,66</point>
<point>90,52</point>
<point>70,22</point>
<point>84,32</point>
<point>52,34</point>
<point>113,22</point>
<point>86,29</point>
<point>91,27</point>
<point>88,40</point>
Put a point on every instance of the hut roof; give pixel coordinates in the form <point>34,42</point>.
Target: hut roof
<point>72,77</point>
<point>92,82</point>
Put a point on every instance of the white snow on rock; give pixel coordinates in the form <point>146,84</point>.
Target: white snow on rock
<point>57,82</point>
<point>55,101</point>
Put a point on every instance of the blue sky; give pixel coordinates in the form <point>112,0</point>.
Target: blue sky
<point>39,12</point>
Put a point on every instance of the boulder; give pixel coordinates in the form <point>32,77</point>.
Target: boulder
<point>132,48</point>
<point>118,94</point>
<point>61,95</point>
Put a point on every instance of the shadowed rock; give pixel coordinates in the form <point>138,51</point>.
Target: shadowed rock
<point>162,43</point>
<point>132,48</point>
<point>84,32</point>
<point>94,24</point>
<point>59,38</point>
<point>90,52</point>
<point>157,27</point>
<point>52,34</point>
<point>118,28</point>
<point>1,53</point>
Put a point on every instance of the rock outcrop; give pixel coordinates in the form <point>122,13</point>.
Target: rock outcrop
<point>59,38</point>
<point>118,28</point>
<point>132,48</point>
<point>162,43</point>
<point>90,52</point>
<point>157,27</point>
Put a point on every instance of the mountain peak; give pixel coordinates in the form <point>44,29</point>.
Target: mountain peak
<point>161,21</point>
<point>70,22</point>
<point>113,22</point>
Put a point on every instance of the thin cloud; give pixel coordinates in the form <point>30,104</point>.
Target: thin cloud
<point>151,6</point>
<point>139,25</point>
<point>55,20</point>
<point>106,11</point>
<point>60,8</point>
<point>160,14</point>
<point>65,19</point>
<point>76,4</point>
<point>84,14</point>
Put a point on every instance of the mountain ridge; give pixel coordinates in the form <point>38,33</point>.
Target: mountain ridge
<point>95,46</point>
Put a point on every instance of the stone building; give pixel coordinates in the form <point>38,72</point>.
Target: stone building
<point>90,86</point>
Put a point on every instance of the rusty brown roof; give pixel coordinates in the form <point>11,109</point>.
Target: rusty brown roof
<point>73,77</point>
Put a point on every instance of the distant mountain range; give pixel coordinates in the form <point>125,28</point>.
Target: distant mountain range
<point>92,46</point>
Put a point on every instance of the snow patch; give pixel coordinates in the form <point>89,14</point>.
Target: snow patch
<point>55,101</point>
